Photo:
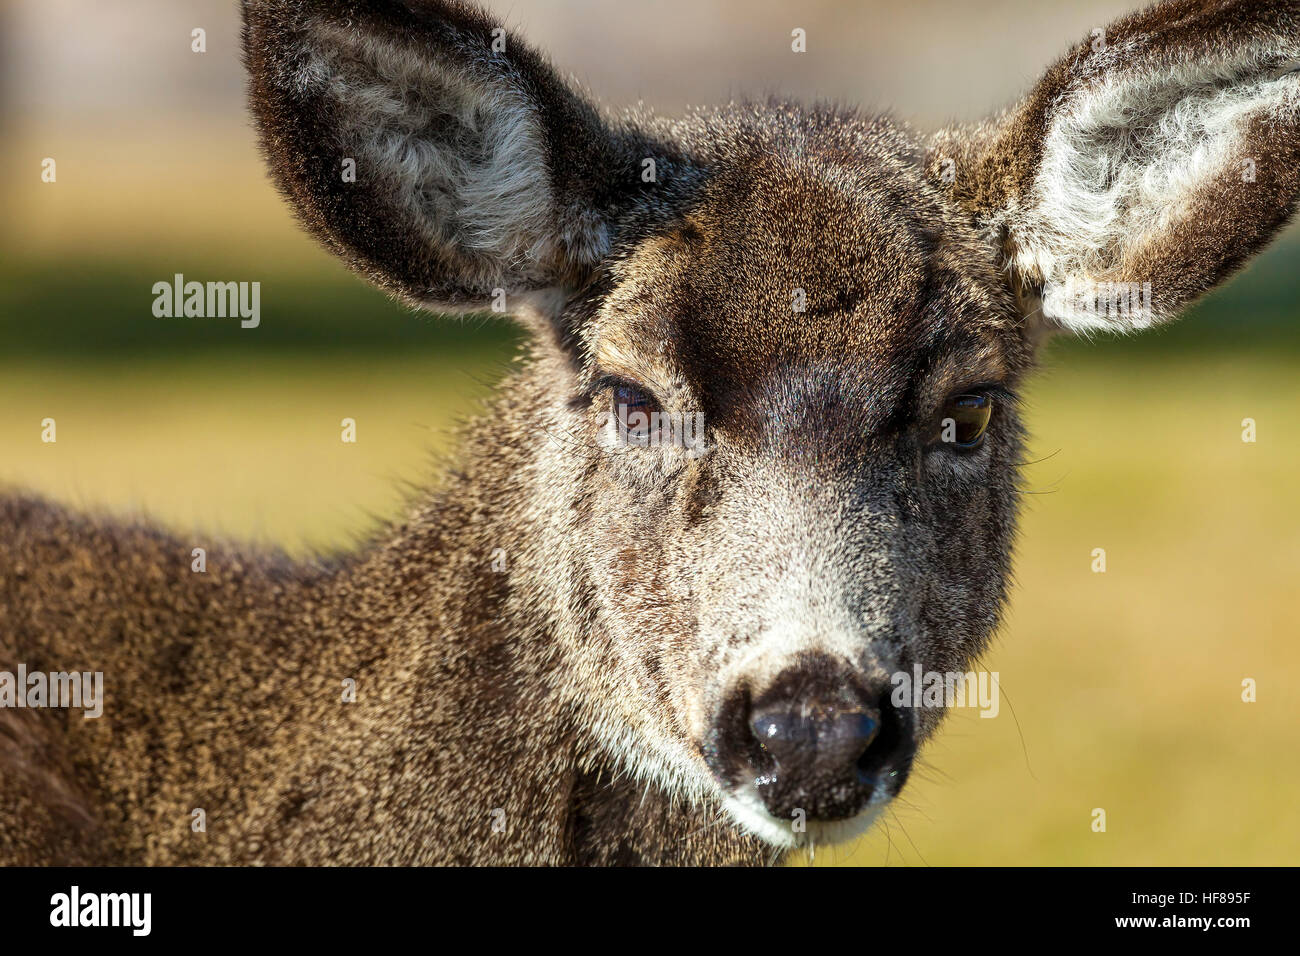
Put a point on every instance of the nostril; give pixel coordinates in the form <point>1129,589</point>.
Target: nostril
<point>868,728</point>
<point>890,743</point>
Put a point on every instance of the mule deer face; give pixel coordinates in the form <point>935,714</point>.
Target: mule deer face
<point>776,351</point>
<point>763,575</point>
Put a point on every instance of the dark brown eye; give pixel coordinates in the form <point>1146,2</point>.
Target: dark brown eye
<point>634,411</point>
<point>964,421</point>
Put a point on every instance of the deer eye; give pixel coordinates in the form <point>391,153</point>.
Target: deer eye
<point>634,411</point>
<point>964,420</point>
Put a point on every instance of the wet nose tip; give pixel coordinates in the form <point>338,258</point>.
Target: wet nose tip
<point>815,733</point>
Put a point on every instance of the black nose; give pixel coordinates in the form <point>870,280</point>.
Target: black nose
<point>820,739</point>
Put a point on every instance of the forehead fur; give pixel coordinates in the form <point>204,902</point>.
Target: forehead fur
<point>815,243</point>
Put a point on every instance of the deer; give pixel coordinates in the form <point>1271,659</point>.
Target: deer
<point>597,643</point>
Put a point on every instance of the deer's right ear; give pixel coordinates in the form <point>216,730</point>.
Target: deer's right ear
<point>433,151</point>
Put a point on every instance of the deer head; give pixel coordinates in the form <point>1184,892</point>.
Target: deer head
<point>775,351</point>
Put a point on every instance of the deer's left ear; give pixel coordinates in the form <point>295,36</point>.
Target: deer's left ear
<point>1163,150</point>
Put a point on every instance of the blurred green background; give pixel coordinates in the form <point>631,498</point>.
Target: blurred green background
<point>1121,690</point>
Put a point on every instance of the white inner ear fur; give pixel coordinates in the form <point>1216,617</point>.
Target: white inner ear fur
<point>1121,162</point>
<point>465,160</point>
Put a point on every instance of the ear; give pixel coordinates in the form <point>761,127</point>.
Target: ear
<point>1145,168</point>
<point>476,168</point>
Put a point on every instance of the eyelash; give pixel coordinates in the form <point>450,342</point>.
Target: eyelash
<point>605,382</point>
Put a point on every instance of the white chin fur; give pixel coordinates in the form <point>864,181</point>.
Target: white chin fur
<point>749,814</point>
